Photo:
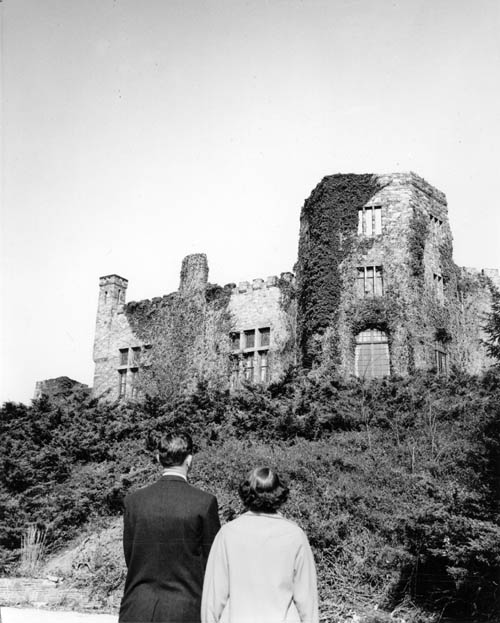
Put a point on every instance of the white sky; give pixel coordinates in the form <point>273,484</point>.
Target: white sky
<point>135,133</point>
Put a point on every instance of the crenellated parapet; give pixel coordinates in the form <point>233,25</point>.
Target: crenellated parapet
<point>246,287</point>
<point>377,292</point>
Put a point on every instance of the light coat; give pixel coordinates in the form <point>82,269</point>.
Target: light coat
<point>260,570</point>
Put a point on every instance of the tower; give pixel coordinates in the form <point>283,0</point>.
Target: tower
<point>112,293</point>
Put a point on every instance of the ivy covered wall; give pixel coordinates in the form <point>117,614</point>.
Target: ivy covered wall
<point>316,317</point>
<point>422,303</point>
<point>328,227</point>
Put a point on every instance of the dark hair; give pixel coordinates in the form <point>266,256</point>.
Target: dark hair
<point>174,448</point>
<point>262,491</point>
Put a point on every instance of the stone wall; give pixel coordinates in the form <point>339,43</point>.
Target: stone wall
<point>112,333</point>
<point>184,337</point>
<point>58,388</point>
<point>427,305</point>
<point>423,304</point>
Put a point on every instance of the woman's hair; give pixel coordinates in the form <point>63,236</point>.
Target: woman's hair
<point>262,491</point>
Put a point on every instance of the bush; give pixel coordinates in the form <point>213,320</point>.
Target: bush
<point>395,482</point>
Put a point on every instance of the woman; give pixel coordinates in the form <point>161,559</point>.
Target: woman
<point>260,568</point>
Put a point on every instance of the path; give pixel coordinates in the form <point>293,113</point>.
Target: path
<point>34,615</point>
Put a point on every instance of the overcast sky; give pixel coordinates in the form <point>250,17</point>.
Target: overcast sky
<point>135,133</point>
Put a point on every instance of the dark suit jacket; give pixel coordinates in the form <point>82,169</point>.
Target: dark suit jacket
<point>169,527</point>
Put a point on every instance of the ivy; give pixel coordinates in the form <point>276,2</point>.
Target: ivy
<point>178,328</point>
<point>419,229</point>
<point>329,223</point>
<point>374,313</point>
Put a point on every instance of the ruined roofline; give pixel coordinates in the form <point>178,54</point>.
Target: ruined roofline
<point>109,278</point>
<point>259,283</point>
<point>491,273</point>
<point>235,289</point>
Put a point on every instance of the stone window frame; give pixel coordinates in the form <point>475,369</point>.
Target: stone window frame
<point>370,221</point>
<point>375,283</point>
<point>122,382</point>
<point>129,365</point>
<point>249,358</point>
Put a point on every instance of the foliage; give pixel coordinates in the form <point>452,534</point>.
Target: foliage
<point>395,482</point>
<point>492,326</point>
<point>329,222</point>
<point>418,233</point>
<point>175,328</point>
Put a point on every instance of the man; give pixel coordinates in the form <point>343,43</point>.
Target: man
<point>169,528</point>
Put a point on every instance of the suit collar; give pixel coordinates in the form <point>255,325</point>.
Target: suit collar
<point>173,477</point>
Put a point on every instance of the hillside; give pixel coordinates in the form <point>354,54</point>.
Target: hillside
<point>395,482</point>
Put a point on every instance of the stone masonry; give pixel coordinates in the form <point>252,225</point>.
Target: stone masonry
<point>376,293</point>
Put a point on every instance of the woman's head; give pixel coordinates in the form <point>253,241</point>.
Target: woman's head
<point>262,491</point>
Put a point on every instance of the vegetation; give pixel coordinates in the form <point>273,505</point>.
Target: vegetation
<point>329,223</point>
<point>396,482</point>
<point>492,327</point>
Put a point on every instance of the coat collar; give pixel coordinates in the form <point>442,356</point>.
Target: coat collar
<point>173,478</point>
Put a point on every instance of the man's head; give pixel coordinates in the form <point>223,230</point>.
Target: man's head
<point>175,449</point>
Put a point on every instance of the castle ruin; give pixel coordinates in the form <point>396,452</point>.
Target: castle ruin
<point>375,293</point>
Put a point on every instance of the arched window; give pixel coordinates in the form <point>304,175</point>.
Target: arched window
<point>372,354</point>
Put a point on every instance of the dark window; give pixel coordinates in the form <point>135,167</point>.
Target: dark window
<point>265,336</point>
<point>248,361</point>
<point>441,358</point>
<point>134,383</point>
<point>263,366</point>
<point>122,384</point>
<point>235,341</point>
<point>438,286</point>
<point>435,220</point>
<point>250,339</point>
<point>123,356</point>
<point>234,365</point>
<point>372,354</point>
<point>136,356</point>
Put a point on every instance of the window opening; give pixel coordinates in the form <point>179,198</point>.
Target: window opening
<point>136,356</point>
<point>438,285</point>
<point>250,339</point>
<point>235,341</point>
<point>251,365</point>
<point>372,354</point>
<point>370,220</point>
<point>441,358</point>
<point>370,281</point>
<point>123,356</point>
<point>122,382</point>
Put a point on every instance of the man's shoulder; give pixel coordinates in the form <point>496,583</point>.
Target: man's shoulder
<point>201,494</point>
<point>186,490</point>
<point>140,493</point>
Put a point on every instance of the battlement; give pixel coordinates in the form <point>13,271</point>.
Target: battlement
<point>374,269</point>
<point>260,284</point>
<point>113,280</point>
